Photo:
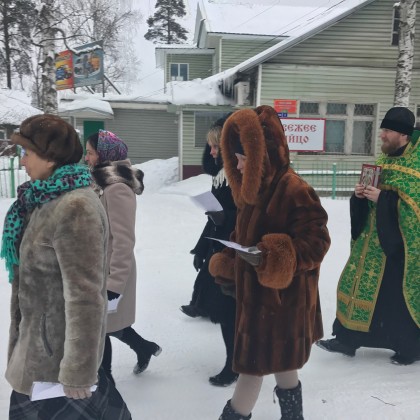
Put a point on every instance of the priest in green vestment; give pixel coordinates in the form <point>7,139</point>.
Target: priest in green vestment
<point>378,294</point>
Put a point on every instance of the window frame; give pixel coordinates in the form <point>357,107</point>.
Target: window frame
<point>178,71</point>
<point>349,119</point>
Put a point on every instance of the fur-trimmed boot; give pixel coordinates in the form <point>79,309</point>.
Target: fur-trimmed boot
<point>290,401</point>
<point>230,414</point>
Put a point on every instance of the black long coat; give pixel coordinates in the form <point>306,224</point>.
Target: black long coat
<point>208,295</point>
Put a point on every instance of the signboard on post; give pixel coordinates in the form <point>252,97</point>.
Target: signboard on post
<point>88,62</point>
<point>305,134</point>
<point>82,66</point>
<point>64,70</point>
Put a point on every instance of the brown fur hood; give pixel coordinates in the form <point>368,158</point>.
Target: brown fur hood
<point>262,137</point>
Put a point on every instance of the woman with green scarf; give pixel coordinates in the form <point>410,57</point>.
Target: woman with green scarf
<point>54,245</point>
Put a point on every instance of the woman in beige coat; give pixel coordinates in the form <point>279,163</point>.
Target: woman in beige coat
<point>58,275</point>
<point>117,184</point>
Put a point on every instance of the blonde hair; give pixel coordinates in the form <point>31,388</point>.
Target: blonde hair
<point>213,135</point>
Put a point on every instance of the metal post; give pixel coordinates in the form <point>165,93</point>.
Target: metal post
<point>334,181</point>
<point>12,177</point>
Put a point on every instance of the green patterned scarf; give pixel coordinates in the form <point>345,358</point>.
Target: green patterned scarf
<point>36,193</point>
<point>359,284</point>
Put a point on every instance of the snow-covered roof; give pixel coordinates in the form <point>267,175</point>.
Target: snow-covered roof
<point>196,92</point>
<point>258,17</point>
<point>86,107</point>
<point>15,106</point>
<point>326,19</point>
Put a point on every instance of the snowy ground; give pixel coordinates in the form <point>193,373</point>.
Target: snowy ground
<point>175,385</point>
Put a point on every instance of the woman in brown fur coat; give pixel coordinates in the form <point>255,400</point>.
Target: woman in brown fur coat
<point>278,315</point>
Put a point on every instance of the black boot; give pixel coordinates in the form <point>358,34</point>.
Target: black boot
<point>230,414</point>
<point>290,401</point>
<point>335,346</point>
<point>225,378</point>
<point>143,348</point>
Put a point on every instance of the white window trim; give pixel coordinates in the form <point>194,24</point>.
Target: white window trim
<point>179,64</point>
<point>349,118</point>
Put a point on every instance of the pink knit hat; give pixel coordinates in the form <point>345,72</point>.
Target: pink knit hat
<point>110,147</point>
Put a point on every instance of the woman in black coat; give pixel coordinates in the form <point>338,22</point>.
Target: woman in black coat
<point>208,299</point>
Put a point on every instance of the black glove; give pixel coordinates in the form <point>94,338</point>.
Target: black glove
<point>217,217</point>
<point>198,262</point>
<point>112,295</point>
<point>254,259</point>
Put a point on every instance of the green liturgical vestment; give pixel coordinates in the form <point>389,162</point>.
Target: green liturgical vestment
<point>361,278</point>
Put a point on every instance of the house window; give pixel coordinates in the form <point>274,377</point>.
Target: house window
<point>179,71</point>
<point>349,128</point>
<point>395,26</point>
<point>309,108</point>
<point>202,122</point>
<point>2,134</point>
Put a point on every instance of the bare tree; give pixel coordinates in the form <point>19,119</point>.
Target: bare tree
<point>407,13</point>
<point>112,22</point>
<point>16,20</point>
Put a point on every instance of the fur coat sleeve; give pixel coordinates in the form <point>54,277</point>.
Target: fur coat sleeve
<point>222,265</point>
<point>302,248</point>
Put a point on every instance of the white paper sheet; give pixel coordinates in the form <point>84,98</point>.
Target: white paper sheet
<point>207,201</point>
<point>234,245</point>
<point>46,390</point>
<point>113,304</point>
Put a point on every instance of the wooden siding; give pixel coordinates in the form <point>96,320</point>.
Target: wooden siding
<point>361,40</point>
<point>236,51</point>
<point>199,65</point>
<point>149,134</point>
<point>191,155</point>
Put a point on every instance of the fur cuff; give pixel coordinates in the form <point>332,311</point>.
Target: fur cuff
<point>221,265</point>
<point>279,261</point>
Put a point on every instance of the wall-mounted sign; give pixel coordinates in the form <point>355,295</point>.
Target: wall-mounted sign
<point>288,106</point>
<point>305,134</point>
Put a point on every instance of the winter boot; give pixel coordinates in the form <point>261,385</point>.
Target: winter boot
<point>335,346</point>
<point>230,414</point>
<point>143,348</point>
<point>290,401</point>
<point>190,310</point>
<point>144,356</point>
<point>225,378</point>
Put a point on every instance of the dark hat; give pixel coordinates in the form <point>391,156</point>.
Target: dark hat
<point>399,119</point>
<point>221,121</point>
<point>237,147</point>
<point>50,137</point>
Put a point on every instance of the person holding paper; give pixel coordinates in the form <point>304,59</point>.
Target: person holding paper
<point>208,298</point>
<point>117,184</point>
<point>278,314</point>
<point>54,244</point>
<point>378,295</point>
